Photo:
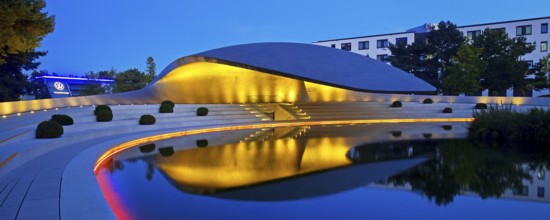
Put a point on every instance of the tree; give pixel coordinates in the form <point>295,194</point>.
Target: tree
<point>444,40</point>
<point>129,80</point>
<point>464,74</point>
<point>23,26</point>
<point>13,82</point>
<point>94,86</point>
<point>428,59</point>
<point>151,69</point>
<point>502,54</point>
<point>412,58</point>
<point>541,70</point>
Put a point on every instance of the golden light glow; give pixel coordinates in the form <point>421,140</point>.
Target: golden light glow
<point>245,163</point>
<point>226,84</point>
<point>120,147</point>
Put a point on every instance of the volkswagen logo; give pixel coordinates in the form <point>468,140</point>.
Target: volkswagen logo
<point>59,86</point>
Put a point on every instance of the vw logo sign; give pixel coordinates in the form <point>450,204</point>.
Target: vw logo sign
<point>59,86</point>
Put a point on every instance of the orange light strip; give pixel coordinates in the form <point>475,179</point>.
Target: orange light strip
<point>120,147</point>
<point>7,159</point>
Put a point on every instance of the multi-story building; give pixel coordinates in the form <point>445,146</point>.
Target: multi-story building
<point>535,30</point>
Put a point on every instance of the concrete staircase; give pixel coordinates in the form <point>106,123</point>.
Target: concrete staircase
<point>295,111</point>
<point>379,110</point>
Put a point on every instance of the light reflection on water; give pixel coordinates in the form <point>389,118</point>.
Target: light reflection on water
<point>310,171</point>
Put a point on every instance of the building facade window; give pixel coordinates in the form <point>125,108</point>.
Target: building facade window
<point>363,45</point>
<point>345,46</point>
<point>544,28</point>
<point>543,46</point>
<point>333,45</point>
<point>382,43</point>
<point>540,192</point>
<point>382,57</point>
<point>523,30</point>
<point>400,40</point>
<point>473,34</point>
<point>499,29</point>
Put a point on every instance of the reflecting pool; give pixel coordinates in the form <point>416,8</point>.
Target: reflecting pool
<point>359,171</point>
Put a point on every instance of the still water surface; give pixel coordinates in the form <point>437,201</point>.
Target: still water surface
<point>393,171</point>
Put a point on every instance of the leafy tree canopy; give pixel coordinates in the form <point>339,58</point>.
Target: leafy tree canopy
<point>129,80</point>
<point>502,54</point>
<point>23,26</point>
<point>464,74</point>
<point>151,69</point>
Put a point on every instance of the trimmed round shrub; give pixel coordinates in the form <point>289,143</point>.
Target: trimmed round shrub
<point>147,120</point>
<point>62,119</point>
<point>202,143</point>
<point>447,127</point>
<point>448,110</point>
<point>396,104</point>
<point>102,107</point>
<point>147,148</point>
<point>104,115</point>
<point>166,151</point>
<point>49,129</point>
<point>168,102</point>
<point>428,101</point>
<point>166,106</point>
<point>396,134</point>
<point>202,111</point>
<point>480,106</point>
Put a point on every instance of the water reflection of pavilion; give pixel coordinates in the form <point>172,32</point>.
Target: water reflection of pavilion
<point>316,159</point>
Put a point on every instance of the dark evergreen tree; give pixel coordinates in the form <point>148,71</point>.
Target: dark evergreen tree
<point>502,54</point>
<point>23,26</point>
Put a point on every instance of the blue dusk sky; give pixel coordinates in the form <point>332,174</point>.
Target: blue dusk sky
<point>103,34</point>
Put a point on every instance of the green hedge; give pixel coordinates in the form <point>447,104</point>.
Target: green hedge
<point>104,115</point>
<point>448,110</point>
<point>202,143</point>
<point>202,111</point>
<point>102,107</point>
<point>396,104</point>
<point>480,106</point>
<point>62,119</point>
<point>147,120</point>
<point>396,134</point>
<point>147,148</point>
<point>166,106</point>
<point>49,129</point>
<point>502,124</point>
<point>428,101</point>
<point>168,102</point>
<point>166,151</point>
